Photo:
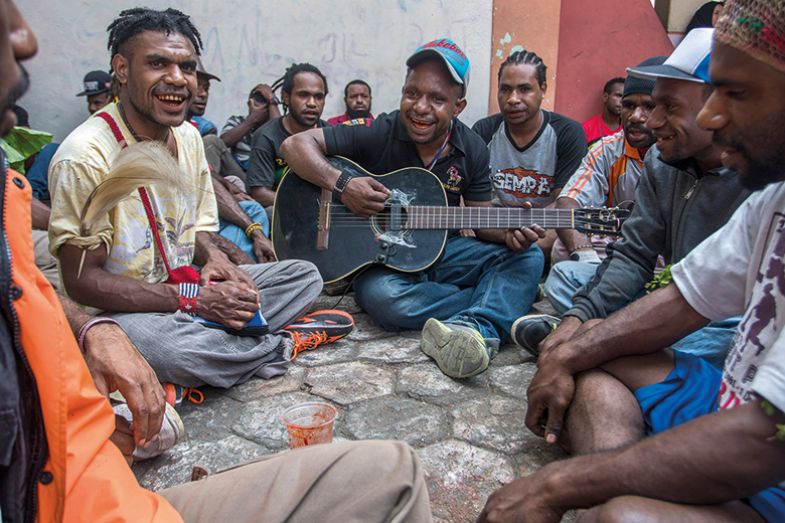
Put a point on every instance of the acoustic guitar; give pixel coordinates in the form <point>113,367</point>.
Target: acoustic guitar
<point>410,234</point>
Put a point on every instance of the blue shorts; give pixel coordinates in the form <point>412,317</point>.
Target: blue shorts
<point>691,390</point>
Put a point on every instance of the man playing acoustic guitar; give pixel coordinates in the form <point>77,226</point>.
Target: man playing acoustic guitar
<point>467,301</point>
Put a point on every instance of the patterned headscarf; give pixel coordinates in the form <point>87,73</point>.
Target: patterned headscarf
<point>756,27</point>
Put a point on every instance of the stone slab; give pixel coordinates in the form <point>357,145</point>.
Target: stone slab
<point>347,383</point>
<point>461,477</point>
<point>513,379</point>
<point>174,467</point>
<point>509,354</point>
<point>392,417</point>
<point>211,418</point>
<point>391,350</point>
<point>367,329</point>
<point>260,420</point>
<point>428,383</point>
<point>493,422</point>
<point>258,388</point>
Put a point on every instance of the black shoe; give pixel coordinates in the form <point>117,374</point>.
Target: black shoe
<point>528,331</point>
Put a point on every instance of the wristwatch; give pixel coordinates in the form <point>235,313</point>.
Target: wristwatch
<point>341,183</point>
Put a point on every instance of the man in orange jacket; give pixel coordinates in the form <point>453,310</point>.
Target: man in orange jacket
<point>57,462</point>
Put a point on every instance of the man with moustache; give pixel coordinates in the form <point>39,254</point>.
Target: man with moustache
<point>303,91</point>
<point>607,177</point>
<point>684,195</point>
<point>154,60</point>
<point>357,97</point>
<point>58,463</point>
<point>716,451</point>
<point>464,302</point>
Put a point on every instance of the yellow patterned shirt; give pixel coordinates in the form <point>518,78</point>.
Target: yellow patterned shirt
<point>83,161</point>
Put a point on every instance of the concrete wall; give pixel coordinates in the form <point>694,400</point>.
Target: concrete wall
<point>533,26</point>
<point>247,42</point>
<point>599,44</point>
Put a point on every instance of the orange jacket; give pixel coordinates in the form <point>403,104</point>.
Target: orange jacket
<point>92,481</point>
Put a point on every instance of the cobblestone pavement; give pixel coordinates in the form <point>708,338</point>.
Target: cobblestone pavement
<point>469,434</point>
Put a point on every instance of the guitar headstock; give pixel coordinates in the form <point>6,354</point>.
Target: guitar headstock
<point>600,221</point>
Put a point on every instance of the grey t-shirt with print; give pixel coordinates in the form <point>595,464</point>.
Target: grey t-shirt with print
<point>532,173</point>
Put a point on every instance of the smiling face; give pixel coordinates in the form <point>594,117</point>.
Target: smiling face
<point>306,101</point>
<point>157,76</point>
<point>520,93</point>
<point>430,100</point>
<point>673,120</point>
<point>17,43</point>
<point>746,111</point>
<point>635,111</point>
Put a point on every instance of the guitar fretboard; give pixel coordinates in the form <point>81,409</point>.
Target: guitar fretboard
<point>432,217</point>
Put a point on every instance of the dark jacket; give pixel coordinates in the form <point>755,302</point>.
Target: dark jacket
<point>675,210</point>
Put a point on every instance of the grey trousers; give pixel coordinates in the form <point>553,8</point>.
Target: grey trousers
<point>187,353</point>
<point>350,482</point>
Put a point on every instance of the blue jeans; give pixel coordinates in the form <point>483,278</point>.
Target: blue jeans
<point>236,235</point>
<point>710,343</point>
<point>565,279</point>
<point>479,284</point>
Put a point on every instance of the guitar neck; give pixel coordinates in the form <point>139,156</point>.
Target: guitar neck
<point>432,217</point>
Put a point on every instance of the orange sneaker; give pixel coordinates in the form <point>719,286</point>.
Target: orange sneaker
<point>319,328</point>
<point>175,394</point>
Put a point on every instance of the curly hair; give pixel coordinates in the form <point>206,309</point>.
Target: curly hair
<point>132,22</point>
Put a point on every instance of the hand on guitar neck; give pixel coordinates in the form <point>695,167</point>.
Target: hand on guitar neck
<point>365,196</point>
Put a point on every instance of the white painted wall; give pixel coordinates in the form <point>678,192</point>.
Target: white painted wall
<point>247,42</point>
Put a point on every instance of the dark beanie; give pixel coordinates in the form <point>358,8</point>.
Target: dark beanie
<point>634,85</point>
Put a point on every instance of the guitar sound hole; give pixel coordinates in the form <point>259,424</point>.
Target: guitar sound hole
<point>391,220</point>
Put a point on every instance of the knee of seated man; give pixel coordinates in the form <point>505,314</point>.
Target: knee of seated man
<point>625,509</point>
<point>308,272</point>
<point>531,256</point>
<point>385,300</point>
<point>386,457</point>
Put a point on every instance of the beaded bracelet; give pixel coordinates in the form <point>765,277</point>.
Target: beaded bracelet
<point>89,324</point>
<point>253,228</point>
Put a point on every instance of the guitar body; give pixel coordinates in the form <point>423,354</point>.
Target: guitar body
<point>354,242</point>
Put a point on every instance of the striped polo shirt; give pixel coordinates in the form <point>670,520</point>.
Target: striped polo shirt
<point>608,174</point>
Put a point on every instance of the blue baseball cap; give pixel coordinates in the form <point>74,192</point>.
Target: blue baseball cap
<point>453,57</point>
<point>689,61</point>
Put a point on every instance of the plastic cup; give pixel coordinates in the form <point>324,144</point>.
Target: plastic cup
<point>309,423</point>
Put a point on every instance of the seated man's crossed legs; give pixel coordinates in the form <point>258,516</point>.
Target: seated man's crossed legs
<point>185,352</point>
<point>465,304</point>
<point>638,396</point>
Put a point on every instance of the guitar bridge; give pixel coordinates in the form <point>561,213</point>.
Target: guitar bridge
<point>323,225</point>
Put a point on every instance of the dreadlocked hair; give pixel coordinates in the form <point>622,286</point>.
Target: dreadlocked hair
<point>132,22</point>
<point>526,57</point>
<point>286,82</point>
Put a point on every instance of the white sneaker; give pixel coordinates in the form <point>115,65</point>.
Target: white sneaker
<point>172,431</point>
